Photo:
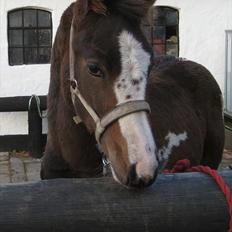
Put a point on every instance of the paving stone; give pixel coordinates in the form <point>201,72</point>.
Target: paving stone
<point>4,172</point>
<point>17,170</point>
<point>24,168</point>
<point>32,170</point>
<point>4,156</point>
<point>227,155</point>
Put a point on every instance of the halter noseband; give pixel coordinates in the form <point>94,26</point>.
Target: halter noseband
<point>118,112</point>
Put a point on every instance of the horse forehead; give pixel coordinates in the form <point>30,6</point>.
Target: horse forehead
<point>135,61</point>
<point>134,58</point>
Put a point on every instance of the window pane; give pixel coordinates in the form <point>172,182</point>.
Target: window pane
<point>171,17</point>
<point>16,38</point>
<point>172,49</point>
<point>159,34</point>
<point>30,55</point>
<point>44,19</point>
<point>30,18</point>
<point>45,37</point>
<point>15,19</point>
<point>30,38</point>
<point>172,39</point>
<point>44,55</point>
<point>171,33</point>
<point>159,49</point>
<point>16,56</point>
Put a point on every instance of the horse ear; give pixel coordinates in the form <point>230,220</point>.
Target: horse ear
<point>138,7</point>
<point>84,6</point>
<point>98,6</point>
<point>151,4</point>
<point>146,6</point>
<point>81,8</point>
<point>132,8</point>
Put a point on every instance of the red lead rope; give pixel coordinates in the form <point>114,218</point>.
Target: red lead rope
<point>185,166</point>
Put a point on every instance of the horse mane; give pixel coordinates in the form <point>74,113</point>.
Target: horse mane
<point>98,7</point>
<point>134,9</point>
<point>163,62</point>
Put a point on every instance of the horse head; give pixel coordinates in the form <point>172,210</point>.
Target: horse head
<point>110,61</point>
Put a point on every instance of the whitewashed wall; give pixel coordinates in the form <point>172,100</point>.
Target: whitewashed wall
<point>23,80</point>
<point>202,32</point>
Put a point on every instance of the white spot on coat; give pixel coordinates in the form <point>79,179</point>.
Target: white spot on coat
<point>174,140</point>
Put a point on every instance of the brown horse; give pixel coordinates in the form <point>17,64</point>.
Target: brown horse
<point>106,89</point>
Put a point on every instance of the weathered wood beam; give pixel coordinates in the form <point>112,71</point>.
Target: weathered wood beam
<point>19,104</point>
<point>35,143</point>
<point>177,202</point>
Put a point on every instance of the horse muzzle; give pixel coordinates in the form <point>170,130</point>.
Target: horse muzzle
<point>136,181</point>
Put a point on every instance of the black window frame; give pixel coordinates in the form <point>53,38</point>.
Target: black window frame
<point>23,29</point>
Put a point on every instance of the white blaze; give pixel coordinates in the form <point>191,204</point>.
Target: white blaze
<point>131,85</point>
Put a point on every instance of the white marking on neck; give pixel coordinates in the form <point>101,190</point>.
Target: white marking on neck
<point>131,85</point>
<point>174,140</point>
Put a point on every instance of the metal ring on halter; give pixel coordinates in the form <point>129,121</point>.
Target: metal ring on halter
<point>105,162</point>
<point>106,165</point>
<point>72,83</point>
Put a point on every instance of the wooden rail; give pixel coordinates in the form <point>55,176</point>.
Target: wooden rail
<point>35,141</point>
<point>19,104</point>
<point>176,202</point>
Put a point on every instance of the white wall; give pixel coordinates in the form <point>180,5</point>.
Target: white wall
<point>23,80</point>
<point>202,32</point>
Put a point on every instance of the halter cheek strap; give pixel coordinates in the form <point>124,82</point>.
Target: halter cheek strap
<point>118,112</point>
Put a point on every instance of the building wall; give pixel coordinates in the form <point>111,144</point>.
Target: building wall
<point>23,80</point>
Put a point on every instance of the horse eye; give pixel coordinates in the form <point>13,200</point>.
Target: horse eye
<point>95,70</point>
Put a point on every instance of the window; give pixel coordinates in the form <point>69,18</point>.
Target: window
<point>163,35</point>
<point>228,87</point>
<point>29,36</point>
<point>166,31</point>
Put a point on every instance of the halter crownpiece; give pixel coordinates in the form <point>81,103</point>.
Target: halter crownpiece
<point>118,112</point>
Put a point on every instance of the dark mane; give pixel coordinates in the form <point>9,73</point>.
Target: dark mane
<point>98,6</point>
<point>135,9</point>
<point>132,9</point>
<point>163,62</point>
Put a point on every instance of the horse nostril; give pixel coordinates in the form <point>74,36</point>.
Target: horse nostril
<point>139,182</point>
<point>132,175</point>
